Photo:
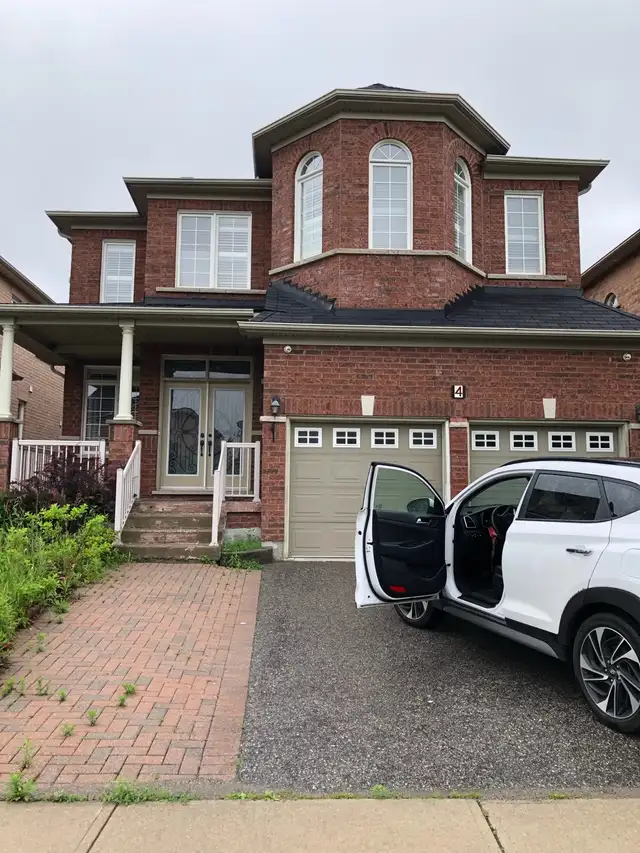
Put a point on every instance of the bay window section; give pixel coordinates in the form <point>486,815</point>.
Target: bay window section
<point>214,251</point>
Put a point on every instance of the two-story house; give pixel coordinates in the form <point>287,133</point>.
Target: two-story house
<point>390,285</point>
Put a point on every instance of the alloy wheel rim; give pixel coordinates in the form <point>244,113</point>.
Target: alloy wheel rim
<point>610,672</point>
<point>414,610</point>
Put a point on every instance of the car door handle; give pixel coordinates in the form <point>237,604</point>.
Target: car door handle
<point>584,551</point>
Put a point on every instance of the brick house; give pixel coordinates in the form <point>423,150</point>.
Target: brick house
<point>390,285</point>
<point>36,387</point>
<point>615,278</point>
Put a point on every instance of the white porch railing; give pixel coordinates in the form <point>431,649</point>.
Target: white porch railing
<point>237,476</point>
<point>30,457</point>
<point>127,488</point>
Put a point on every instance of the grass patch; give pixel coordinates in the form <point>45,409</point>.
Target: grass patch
<point>8,687</point>
<point>464,795</point>
<point>237,546</point>
<point>92,716</point>
<point>27,754</point>
<point>381,792</point>
<point>19,789</point>
<point>122,700</point>
<point>42,687</point>
<point>344,795</point>
<point>62,695</point>
<point>558,795</point>
<point>129,689</point>
<point>256,795</point>
<point>231,555</point>
<point>125,792</point>
<point>67,729</point>
<point>64,797</point>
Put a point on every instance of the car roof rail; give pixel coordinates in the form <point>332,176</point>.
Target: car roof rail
<point>629,463</point>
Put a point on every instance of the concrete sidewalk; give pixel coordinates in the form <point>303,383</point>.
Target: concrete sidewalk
<point>334,826</point>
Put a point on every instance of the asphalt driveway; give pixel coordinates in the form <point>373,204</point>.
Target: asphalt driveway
<point>342,700</point>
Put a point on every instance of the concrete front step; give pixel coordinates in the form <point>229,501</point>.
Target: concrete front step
<point>171,553</point>
<point>166,521</point>
<point>175,536</point>
<point>174,505</point>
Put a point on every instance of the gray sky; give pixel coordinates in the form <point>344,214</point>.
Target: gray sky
<point>91,90</point>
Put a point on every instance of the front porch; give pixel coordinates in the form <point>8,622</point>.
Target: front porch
<point>167,399</point>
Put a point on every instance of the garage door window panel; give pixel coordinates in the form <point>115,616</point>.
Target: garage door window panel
<point>600,442</point>
<point>346,438</point>
<point>522,441</point>
<point>423,439</point>
<point>559,441</point>
<point>388,438</point>
<point>564,497</point>
<point>485,440</point>
<point>304,437</point>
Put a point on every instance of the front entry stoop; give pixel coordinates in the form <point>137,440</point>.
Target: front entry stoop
<point>170,529</point>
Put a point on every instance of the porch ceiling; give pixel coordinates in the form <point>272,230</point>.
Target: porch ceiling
<point>61,334</point>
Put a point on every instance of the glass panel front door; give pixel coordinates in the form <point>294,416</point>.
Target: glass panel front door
<point>184,457</point>
<point>227,419</point>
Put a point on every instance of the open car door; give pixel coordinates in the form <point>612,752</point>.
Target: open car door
<point>400,535</point>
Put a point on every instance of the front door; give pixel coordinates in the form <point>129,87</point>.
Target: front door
<point>198,418</point>
<point>400,536</point>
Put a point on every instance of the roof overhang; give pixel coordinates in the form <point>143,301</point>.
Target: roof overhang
<point>13,275</point>
<point>66,221</point>
<point>376,102</point>
<point>618,255</point>
<point>541,168</point>
<point>233,189</point>
<point>61,334</point>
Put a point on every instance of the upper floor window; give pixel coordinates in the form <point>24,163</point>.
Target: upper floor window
<point>214,250</point>
<point>462,210</point>
<point>118,263</point>
<point>308,208</point>
<point>612,300</point>
<point>390,197</point>
<point>525,233</point>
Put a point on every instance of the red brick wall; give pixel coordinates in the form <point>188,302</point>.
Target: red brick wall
<point>162,225</point>
<point>86,263</point>
<point>624,281</point>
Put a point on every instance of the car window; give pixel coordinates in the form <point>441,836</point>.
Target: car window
<point>562,497</point>
<point>508,491</point>
<point>398,490</point>
<point>623,498</point>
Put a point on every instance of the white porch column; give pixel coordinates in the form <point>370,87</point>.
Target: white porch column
<point>126,374</point>
<point>6,370</point>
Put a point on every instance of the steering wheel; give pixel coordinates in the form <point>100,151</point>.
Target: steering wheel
<point>501,518</point>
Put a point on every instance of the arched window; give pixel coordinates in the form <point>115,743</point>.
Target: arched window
<point>612,300</point>
<point>462,210</point>
<point>308,208</point>
<point>390,197</point>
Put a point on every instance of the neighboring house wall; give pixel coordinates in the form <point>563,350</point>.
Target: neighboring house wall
<point>40,389</point>
<point>624,281</point>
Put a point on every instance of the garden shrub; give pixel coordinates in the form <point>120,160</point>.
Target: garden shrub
<point>42,561</point>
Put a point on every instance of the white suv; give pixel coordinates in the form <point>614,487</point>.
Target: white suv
<point>545,552</point>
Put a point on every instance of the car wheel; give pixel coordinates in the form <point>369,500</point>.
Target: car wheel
<point>606,663</point>
<point>419,614</point>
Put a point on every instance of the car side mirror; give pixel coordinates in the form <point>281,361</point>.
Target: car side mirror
<point>420,506</point>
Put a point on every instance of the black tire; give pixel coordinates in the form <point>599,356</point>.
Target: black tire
<point>431,617</point>
<point>614,687</point>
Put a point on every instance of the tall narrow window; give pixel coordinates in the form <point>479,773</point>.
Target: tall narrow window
<point>214,250</point>
<point>525,233</point>
<point>390,197</point>
<point>118,262</point>
<point>462,210</point>
<point>308,213</point>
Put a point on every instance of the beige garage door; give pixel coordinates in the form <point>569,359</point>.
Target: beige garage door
<point>329,464</point>
<point>494,444</point>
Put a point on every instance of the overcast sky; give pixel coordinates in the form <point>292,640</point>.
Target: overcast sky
<point>91,90</point>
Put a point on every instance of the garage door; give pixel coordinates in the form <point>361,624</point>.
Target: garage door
<point>329,464</point>
<point>493,444</point>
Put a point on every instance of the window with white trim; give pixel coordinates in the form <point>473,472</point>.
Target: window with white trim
<point>524,440</point>
<point>562,441</point>
<point>118,269</point>
<point>524,229</point>
<point>214,250</point>
<point>308,208</point>
<point>462,210</point>
<point>100,399</point>
<point>307,437</point>
<point>346,438</point>
<point>384,438</point>
<point>600,441</point>
<point>390,196</point>
<point>423,438</point>
<point>612,300</point>
<point>485,440</point>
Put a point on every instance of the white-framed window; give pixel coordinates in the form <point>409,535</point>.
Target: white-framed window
<point>523,440</point>
<point>384,438</point>
<point>390,196</point>
<point>118,270</point>
<point>600,441</point>
<point>462,210</point>
<point>214,250</point>
<point>423,438</point>
<point>100,400</point>
<point>562,441</point>
<point>308,437</point>
<point>612,300</point>
<point>481,440</point>
<point>308,207</point>
<point>346,437</point>
<point>524,232</point>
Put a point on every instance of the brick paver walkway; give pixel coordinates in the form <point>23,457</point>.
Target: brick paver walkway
<point>182,634</point>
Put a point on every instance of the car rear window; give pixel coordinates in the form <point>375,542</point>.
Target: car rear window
<point>623,498</point>
<point>562,497</point>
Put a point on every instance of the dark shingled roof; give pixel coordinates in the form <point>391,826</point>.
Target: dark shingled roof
<point>256,304</point>
<point>486,306</point>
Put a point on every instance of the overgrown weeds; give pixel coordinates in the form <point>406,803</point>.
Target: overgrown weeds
<point>125,792</point>
<point>19,789</point>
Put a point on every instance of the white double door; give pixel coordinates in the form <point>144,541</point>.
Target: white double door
<point>198,417</point>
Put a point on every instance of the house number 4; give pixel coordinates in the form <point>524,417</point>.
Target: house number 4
<point>458,392</point>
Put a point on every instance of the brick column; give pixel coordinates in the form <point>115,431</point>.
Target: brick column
<point>458,454</point>
<point>8,431</point>
<point>122,437</point>
<point>273,461</point>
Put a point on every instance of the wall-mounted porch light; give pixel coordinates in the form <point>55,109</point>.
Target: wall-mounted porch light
<point>275,411</point>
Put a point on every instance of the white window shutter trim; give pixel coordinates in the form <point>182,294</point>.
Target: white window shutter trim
<point>118,272</point>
